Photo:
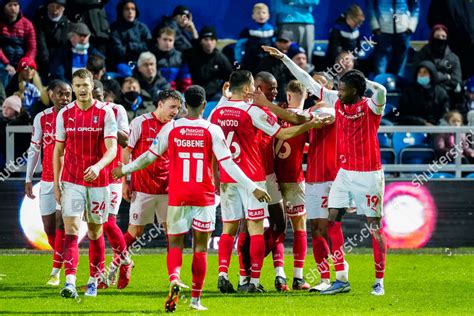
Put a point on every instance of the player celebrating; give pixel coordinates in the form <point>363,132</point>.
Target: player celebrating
<point>360,175</point>
<point>44,128</point>
<point>191,142</point>
<point>242,123</point>
<point>148,191</point>
<point>112,231</point>
<point>83,129</point>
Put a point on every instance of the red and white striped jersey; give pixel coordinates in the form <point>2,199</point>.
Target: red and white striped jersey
<point>154,178</point>
<point>191,145</point>
<point>289,156</point>
<point>44,129</point>
<point>357,125</point>
<point>322,163</point>
<point>83,133</point>
<point>268,147</point>
<point>243,124</point>
<point>121,118</point>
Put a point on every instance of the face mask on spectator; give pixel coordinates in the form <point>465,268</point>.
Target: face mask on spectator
<point>422,80</point>
<point>55,19</point>
<point>439,46</point>
<point>131,96</point>
<point>83,47</point>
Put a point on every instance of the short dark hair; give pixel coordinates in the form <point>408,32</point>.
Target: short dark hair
<point>195,96</point>
<point>356,79</point>
<point>238,79</point>
<point>95,64</point>
<point>53,84</point>
<point>264,76</point>
<point>169,94</point>
<point>98,85</point>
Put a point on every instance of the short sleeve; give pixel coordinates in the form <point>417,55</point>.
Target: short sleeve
<point>219,145</point>
<point>122,120</point>
<point>110,126</point>
<point>135,132</point>
<point>60,130</point>
<point>37,135</point>
<point>263,121</point>
<point>160,143</point>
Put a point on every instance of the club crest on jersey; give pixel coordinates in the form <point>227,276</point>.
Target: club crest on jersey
<point>95,119</point>
<point>270,120</point>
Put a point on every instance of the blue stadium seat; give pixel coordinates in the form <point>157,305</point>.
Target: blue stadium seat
<point>403,140</point>
<point>392,98</point>
<point>385,140</point>
<point>389,81</point>
<point>319,49</point>
<point>387,155</point>
<point>443,175</point>
<point>470,176</point>
<point>417,154</point>
<point>388,109</point>
<point>209,107</point>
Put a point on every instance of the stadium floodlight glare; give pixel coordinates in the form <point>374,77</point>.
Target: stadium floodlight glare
<point>32,225</point>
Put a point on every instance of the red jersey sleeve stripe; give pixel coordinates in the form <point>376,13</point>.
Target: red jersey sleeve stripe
<point>376,103</point>
<point>153,153</point>
<point>225,158</point>
<point>60,141</point>
<point>35,143</point>
<point>110,137</point>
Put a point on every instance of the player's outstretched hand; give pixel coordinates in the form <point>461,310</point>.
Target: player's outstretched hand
<point>117,172</point>
<point>91,173</point>
<point>257,97</point>
<point>29,190</point>
<point>273,52</point>
<point>57,194</point>
<point>261,195</point>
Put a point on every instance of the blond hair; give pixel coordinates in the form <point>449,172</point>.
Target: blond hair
<point>260,6</point>
<point>295,86</point>
<point>36,81</point>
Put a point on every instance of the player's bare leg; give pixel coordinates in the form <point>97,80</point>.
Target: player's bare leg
<point>379,245</point>
<point>96,257</point>
<point>58,248</point>
<point>336,238</point>
<point>71,255</point>
<point>243,250</point>
<point>319,230</point>
<point>300,245</point>
<point>257,254</point>
<point>274,237</point>
<point>226,244</point>
<point>199,267</point>
<point>174,261</point>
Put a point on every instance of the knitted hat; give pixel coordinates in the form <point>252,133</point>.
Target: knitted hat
<point>26,62</point>
<point>13,102</point>
<point>295,50</point>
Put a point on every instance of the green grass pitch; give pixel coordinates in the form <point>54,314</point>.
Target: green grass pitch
<point>415,283</point>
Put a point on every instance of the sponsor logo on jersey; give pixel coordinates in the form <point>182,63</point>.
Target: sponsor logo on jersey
<point>351,117</point>
<point>84,129</point>
<point>230,112</point>
<point>256,213</point>
<point>191,131</point>
<point>201,225</point>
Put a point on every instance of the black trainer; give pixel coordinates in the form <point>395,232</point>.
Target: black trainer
<point>224,285</point>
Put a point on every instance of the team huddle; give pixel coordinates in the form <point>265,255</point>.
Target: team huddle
<point>249,150</point>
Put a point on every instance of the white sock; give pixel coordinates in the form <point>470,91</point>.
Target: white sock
<point>224,274</point>
<point>255,281</point>
<point>279,271</point>
<point>298,273</point>
<point>71,278</point>
<point>126,261</point>
<point>379,281</point>
<point>327,281</point>
<point>341,276</point>
<point>243,279</point>
<point>55,271</point>
<point>195,300</point>
<point>92,280</point>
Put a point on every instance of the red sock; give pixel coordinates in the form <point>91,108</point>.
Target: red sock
<point>380,252</point>
<point>257,253</point>
<point>58,249</point>
<point>226,243</point>
<point>278,252</point>
<point>321,253</point>
<point>199,269</point>
<point>243,250</point>
<point>269,243</point>
<point>129,239</point>
<point>300,246</point>
<point>51,241</point>
<point>71,254</point>
<point>116,240</point>
<point>174,261</point>
<point>337,241</point>
<point>96,257</point>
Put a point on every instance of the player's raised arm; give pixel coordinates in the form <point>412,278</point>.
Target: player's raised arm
<point>379,98</point>
<point>33,155</point>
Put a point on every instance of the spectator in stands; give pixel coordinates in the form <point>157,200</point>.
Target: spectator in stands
<point>112,90</point>
<point>344,35</point>
<point>181,21</point>
<point>208,66</point>
<point>447,63</point>
<point>466,107</point>
<point>51,32</point>
<point>170,61</point>
<point>131,99</point>
<point>298,56</point>
<point>445,142</point>
<point>27,85</point>
<point>96,65</point>
<point>393,22</point>
<point>297,18</point>
<point>259,33</point>
<point>277,68</point>
<point>3,95</point>
<point>324,79</point>
<point>44,103</point>
<point>150,79</point>
<point>92,13</point>
<point>424,102</point>
<point>63,62</point>
<point>129,37</point>
<point>18,39</point>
